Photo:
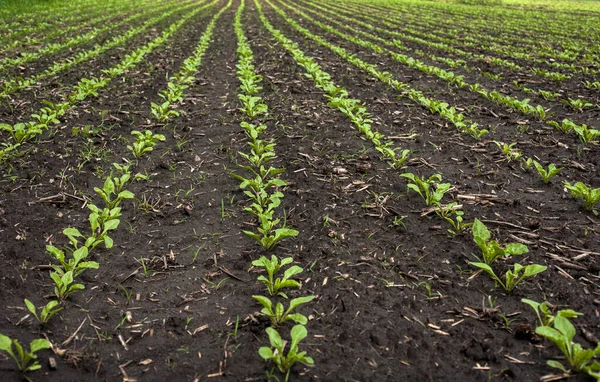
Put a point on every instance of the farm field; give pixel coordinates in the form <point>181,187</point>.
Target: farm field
<point>388,189</point>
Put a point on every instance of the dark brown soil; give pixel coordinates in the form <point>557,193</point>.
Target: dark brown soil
<point>373,318</point>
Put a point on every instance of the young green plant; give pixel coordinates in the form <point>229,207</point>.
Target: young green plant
<point>46,313</point>
<point>280,315</point>
<point>545,314</point>
<point>578,358</point>
<point>25,360</point>
<point>431,189</point>
<point>546,174</point>
<point>275,284</point>
<point>145,142</point>
<point>513,276</point>
<point>491,249</point>
<point>458,225</point>
<point>589,196</point>
<point>276,353</point>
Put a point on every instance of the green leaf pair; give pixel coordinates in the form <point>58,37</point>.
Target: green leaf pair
<point>113,187</point>
<point>46,313</point>
<point>74,264</point>
<point>546,174</point>
<point>25,360</point>
<point>513,276</point>
<point>589,196</point>
<point>161,112</point>
<point>431,189</point>
<point>275,284</point>
<point>268,237</point>
<point>544,313</point>
<point>276,353</point>
<point>63,284</point>
<point>490,249</point>
<point>145,142</point>
<point>280,315</point>
<point>578,358</point>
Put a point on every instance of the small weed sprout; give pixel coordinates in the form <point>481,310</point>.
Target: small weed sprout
<point>399,221</point>
<point>147,271</point>
<point>430,293</point>
<point>218,284</point>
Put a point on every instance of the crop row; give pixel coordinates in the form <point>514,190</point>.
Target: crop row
<point>545,39</point>
<point>398,42</point>
<point>88,37</point>
<point>584,192</point>
<point>261,187</point>
<point>47,116</point>
<point>261,180</point>
<point>574,101</point>
<point>17,84</point>
<point>556,327</point>
<point>525,45</point>
<point>429,38</point>
<point>27,31</point>
<point>74,259</point>
<point>585,134</point>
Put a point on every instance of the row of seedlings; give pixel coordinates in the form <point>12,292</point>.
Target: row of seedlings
<point>73,259</point>
<point>522,106</point>
<point>441,108</point>
<point>507,50</point>
<point>432,191</point>
<point>447,45</point>
<point>14,85</point>
<point>50,38</point>
<point>173,94</point>
<point>54,47</point>
<point>49,115</point>
<point>34,24</point>
<point>339,99</point>
<point>259,187</point>
<point>587,194</point>
<point>563,32</point>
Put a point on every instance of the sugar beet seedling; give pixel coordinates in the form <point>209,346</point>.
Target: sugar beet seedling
<point>25,360</point>
<point>491,250</point>
<point>265,203</point>
<point>276,353</point>
<point>274,284</point>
